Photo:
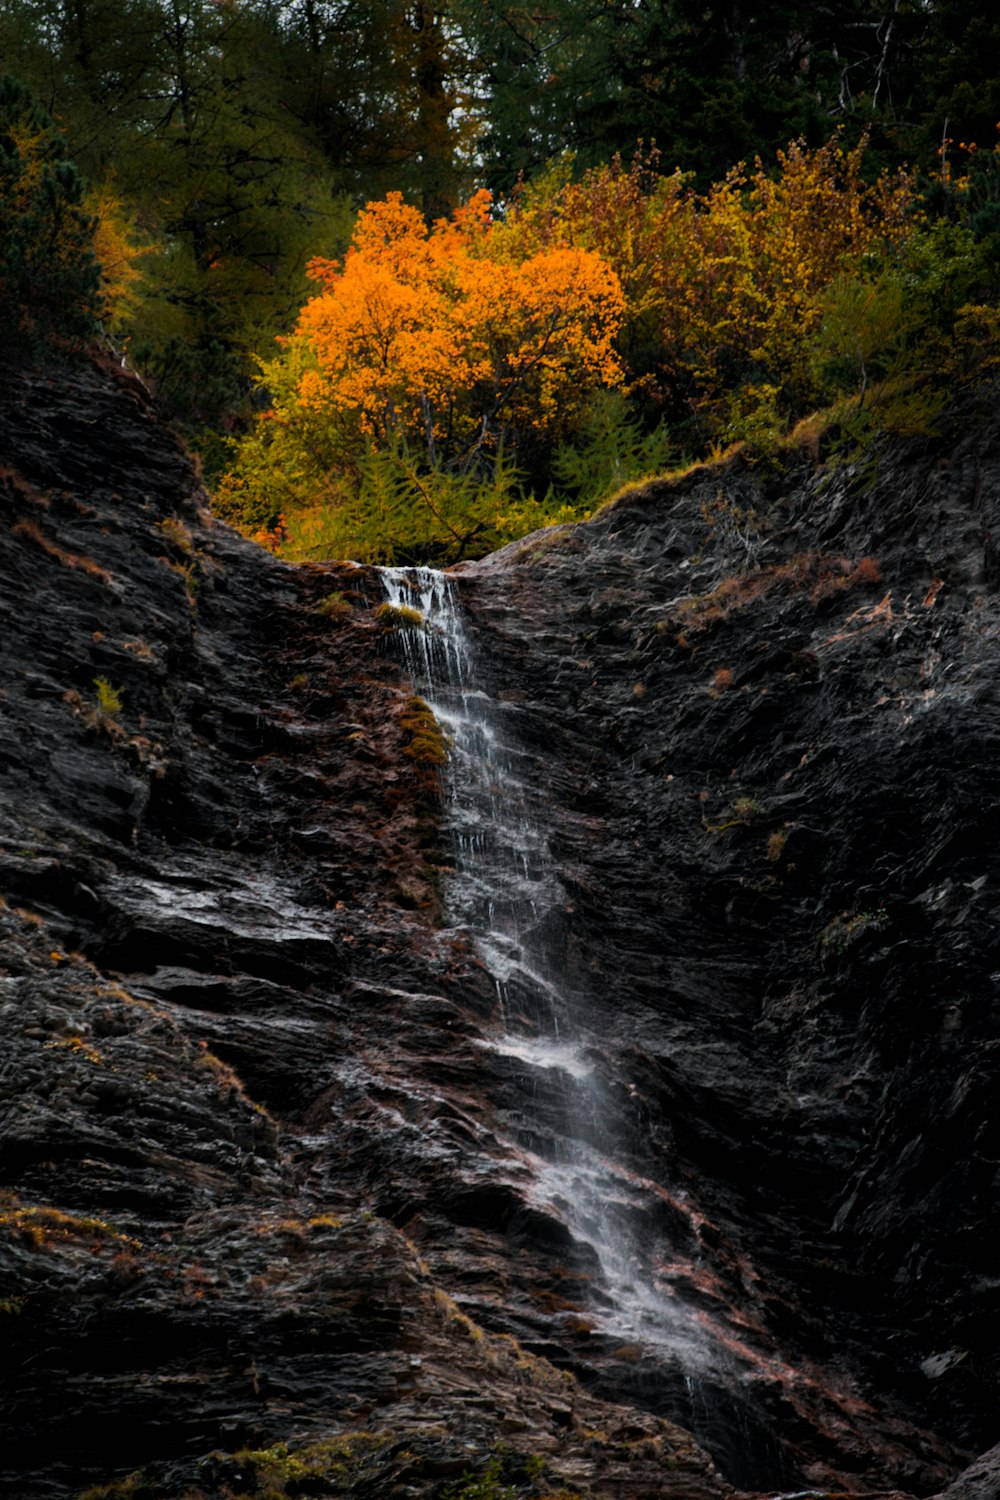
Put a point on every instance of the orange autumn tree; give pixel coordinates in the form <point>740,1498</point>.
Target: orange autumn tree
<point>429,369</point>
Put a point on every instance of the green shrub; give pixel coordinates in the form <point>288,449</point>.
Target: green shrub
<point>609,450</point>
<point>488,1485</point>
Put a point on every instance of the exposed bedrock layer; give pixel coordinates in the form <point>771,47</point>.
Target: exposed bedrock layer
<point>274,1169</point>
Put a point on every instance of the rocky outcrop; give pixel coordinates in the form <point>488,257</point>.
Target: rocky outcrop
<point>229,1032</point>
<point>980,1480</point>
<point>268,1179</point>
<point>774,693</point>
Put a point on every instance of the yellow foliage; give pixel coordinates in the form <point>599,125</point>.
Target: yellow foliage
<point>768,248</point>
<point>47,1227</point>
<point>724,287</point>
<point>118,252</point>
<point>419,406</point>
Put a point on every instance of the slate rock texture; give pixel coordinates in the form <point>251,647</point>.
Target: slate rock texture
<point>267,1177</point>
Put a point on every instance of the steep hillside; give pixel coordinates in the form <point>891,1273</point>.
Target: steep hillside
<point>270,1152</point>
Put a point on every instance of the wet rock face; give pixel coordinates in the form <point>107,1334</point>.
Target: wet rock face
<point>785,736</point>
<point>273,1157</point>
<point>235,1038</point>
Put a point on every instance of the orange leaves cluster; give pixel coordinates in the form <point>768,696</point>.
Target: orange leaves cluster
<point>435,334</point>
<point>474,335</point>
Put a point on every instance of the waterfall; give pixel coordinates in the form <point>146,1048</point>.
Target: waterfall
<point>506,895</point>
<point>505,888</point>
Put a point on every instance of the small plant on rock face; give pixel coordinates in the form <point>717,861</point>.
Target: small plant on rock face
<point>178,535</point>
<point>732,526</point>
<point>109,701</point>
<point>399,617</point>
<point>334,606</point>
<point>489,1485</point>
<point>867,571</point>
<point>79,1048</point>
<point>741,811</point>
<point>776,844</point>
<point>140,649</point>
<point>133,1487</point>
<point>847,927</point>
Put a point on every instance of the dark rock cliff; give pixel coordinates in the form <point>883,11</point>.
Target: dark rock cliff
<point>264,1180</point>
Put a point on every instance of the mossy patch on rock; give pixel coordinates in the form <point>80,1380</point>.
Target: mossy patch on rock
<point>399,617</point>
<point>427,743</point>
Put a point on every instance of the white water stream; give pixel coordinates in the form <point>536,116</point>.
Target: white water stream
<point>506,894</point>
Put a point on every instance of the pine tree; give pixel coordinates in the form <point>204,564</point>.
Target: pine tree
<point>49,276</point>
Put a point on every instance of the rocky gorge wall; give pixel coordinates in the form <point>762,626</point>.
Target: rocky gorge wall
<point>268,1176</point>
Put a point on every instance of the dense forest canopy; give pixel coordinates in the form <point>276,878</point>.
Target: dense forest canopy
<point>795,205</point>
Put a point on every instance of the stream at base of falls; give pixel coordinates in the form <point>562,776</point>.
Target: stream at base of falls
<point>506,895</point>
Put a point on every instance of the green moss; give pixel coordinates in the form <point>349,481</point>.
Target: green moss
<point>848,927</point>
<point>747,808</point>
<point>331,1466</point>
<point>399,617</point>
<point>507,1476</point>
<point>352,1463</point>
<point>427,744</point>
<point>334,606</point>
<point>740,812</point>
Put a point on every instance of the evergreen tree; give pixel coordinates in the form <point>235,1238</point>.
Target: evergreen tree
<point>49,276</point>
<point>961,60</point>
<point>240,199</point>
<point>180,108</point>
<point>382,85</point>
<point>713,82</point>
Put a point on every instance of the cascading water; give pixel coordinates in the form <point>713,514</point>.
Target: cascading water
<point>505,886</point>
<point>506,894</point>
